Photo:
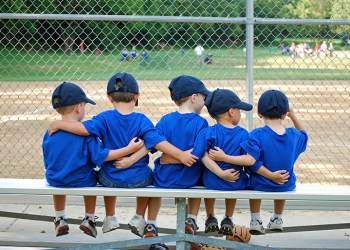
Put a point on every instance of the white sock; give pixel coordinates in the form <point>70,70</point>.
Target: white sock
<point>256,216</point>
<point>192,216</point>
<point>61,213</point>
<point>154,222</point>
<point>274,216</point>
<point>91,216</point>
<point>138,216</point>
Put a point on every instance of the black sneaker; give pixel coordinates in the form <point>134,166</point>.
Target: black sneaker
<point>61,226</point>
<point>191,226</point>
<point>226,226</point>
<point>158,246</point>
<point>88,226</point>
<point>150,231</point>
<point>211,225</point>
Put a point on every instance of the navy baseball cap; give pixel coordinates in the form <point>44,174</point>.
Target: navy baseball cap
<point>273,104</point>
<point>128,83</point>
<point>68,94</point>
<point>221,100</point>
<point>183,86</point>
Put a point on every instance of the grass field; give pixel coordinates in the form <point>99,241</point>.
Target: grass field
<point>166,64</point>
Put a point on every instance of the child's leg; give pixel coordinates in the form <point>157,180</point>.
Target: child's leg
<point>153,208</point>
<point>110,202</point>
<point>256,226</point>
<point>61,224</point>
<point>279,206</point>
<point>227,224</point>
<point>141,205</point>
<point>110,222</point>
<point>90,205</point>
<point>276,222</point>
<point>59,204</point>
<point>211,224</point>
<point>88,225</point>
<point>230,207</point>
<point>209,206</point>
<point>193,210</point>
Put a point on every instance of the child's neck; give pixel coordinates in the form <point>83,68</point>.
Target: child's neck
<point>70,117</point>
<point>124,108</point>
<point>225,122</point>
<point>185,109</point>
<point>275,125</point>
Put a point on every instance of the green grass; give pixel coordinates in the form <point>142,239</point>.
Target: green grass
<point>166,64</point>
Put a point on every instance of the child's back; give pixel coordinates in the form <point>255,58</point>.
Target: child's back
<point>275,152</point>
<point>180,130</point>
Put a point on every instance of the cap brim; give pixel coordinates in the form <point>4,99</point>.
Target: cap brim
<point>246,106</point>
<point>90,101</point>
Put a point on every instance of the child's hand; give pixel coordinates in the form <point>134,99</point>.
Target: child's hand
<point>135,144</point>
<point>122,162</point>
<point>53,127</point>
<point>280,177</point>
<point>291,110</point>
<point>216,154</point>
<point>230,175</point>
<point>187,158</point>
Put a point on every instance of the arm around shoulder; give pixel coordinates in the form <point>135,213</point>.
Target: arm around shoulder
<point>70,126</point>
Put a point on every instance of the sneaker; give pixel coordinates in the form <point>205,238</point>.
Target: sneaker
<point>211,225</point>
<point>226,226</point>
<point>150,231</point>
<point>88,226</point>
<point>256,227</point>
<point>275,225</point>
<point>158,246</point>
<point>110,223</point>
<point>191,226</point>
<point>61,226</point>
<point>137,225</point>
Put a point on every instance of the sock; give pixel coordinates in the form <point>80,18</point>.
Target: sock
<point>138,216</point>
<point>91,216</point>
<point>61,213</point>
<point>256,216</point>
<point>154,222</point>
<point>225,216</point>
<point>276,216</point>
<point>192,216</point>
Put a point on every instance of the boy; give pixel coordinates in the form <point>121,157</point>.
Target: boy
<point>181,128</point>
<point>70,160</point>
<point>115,128</point>
<point>273,146</point>
<point>225,107</point>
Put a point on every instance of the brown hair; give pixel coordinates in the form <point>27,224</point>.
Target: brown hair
<point>64,110</point>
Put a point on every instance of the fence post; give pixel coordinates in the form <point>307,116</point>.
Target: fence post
<point>249,58</point>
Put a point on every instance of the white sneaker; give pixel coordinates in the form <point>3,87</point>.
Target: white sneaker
<point>275,225</point>
<point>137,225</point>
<point>110,223</point>
<point>256,227</point>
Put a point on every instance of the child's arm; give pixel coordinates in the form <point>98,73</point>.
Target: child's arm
<point>70,126</point>
<point>126,162</point>
<point>230,175</point>
<point>297,124</point>
<point>217,154</point>
<point>279,177</point>
<point>134,145</point>
<point>185,157</point>
<point>168,159</point>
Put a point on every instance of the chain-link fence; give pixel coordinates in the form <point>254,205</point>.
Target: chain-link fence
<point>300,47</point>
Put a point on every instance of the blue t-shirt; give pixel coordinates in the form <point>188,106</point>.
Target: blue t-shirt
<point>70,159</point>
<point>116,131</point>
<point>275,152</point>
<point>228,139</point>
<point>181,131</point>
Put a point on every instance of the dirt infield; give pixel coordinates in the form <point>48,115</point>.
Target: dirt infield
<point>323,107</point>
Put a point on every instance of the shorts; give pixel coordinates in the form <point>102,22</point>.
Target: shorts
<point>107,182</point>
